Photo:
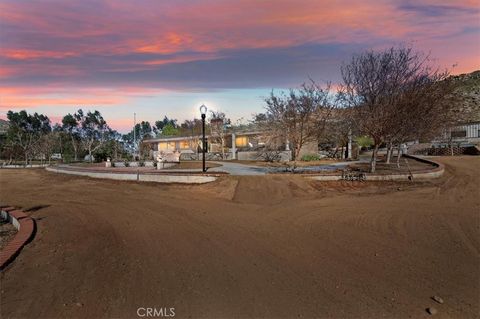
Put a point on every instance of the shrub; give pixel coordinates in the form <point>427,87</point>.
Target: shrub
<point>364,141</point>
<point>269,155</point>
<point>310,157</point>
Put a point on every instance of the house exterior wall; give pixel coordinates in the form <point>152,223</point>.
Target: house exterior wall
<point>469,133</point>
<point>472,131</point>
<point>308,148</point>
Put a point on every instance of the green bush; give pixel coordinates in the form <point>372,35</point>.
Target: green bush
<point>310,157</point>
<point>364,141</point>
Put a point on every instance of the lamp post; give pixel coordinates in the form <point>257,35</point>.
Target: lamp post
<point>203,111</point>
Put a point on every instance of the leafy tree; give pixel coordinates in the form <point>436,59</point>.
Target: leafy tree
<point>94,130</point>
<point>26,130</point>
<point>159,125</point>
<point>142,130</point>
<point>70,126</point>
<point>169,130</point>
<point>112,148</point>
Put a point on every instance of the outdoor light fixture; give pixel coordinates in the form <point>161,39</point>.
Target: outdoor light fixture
<point>203,111</point>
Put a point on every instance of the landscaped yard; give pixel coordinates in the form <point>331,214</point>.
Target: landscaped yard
<point>248,246</point>
<point>327,161</point>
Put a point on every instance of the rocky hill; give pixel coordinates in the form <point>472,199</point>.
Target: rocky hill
<point>468,90</point>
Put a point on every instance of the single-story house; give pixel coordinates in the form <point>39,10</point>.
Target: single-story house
<point>244,145</point>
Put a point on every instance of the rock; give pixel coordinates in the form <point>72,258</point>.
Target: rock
<point>79,304</point>
<point>438,299</point>
<point>432,311</point>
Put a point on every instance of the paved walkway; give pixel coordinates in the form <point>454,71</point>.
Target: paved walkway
<point>239,169</point>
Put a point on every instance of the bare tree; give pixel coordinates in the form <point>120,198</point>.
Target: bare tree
<point>218,125</point>
<point>338,131</point>
<point>383,88</point>
<point>300,116</point>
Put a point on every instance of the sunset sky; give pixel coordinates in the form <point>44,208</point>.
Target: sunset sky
<point>160,58</point>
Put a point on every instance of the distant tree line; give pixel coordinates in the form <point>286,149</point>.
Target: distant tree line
<point>85,135</point>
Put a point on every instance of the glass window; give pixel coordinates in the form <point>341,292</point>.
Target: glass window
<point>184,144</point>
<point>241,141</point>
<point>459,133</point>
<point>162,146</point>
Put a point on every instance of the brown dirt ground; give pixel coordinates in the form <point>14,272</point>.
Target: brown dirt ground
<point>267,246</point>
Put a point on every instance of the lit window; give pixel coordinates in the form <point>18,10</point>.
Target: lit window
<point>184,144</point>
<point>162,146</point>
<point>241,141</point>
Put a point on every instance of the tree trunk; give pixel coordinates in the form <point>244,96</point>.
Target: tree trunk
<point>223,150</point>
<point>26,157</point>
<point>399,154</point>
<point>373,161</point>
<point>74,148</point>
<point>90,153</point>
<point>389,152</point>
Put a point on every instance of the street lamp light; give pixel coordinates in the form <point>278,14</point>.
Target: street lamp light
<point>203,111</point>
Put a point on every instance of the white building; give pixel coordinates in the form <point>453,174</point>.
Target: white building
<point>468,133</point>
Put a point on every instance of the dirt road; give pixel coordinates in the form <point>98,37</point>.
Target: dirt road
<point>253,246</point>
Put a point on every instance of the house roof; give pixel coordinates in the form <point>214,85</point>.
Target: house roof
<point>190,137</point>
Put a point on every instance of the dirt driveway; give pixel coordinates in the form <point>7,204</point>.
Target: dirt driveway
<point>250,246</point>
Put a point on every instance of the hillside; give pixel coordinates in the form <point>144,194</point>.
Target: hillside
<point>468,90</point>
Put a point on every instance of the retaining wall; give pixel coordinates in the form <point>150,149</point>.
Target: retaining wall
<point>437,171</point>
<point>159,178</point>
<point>25,230</point>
